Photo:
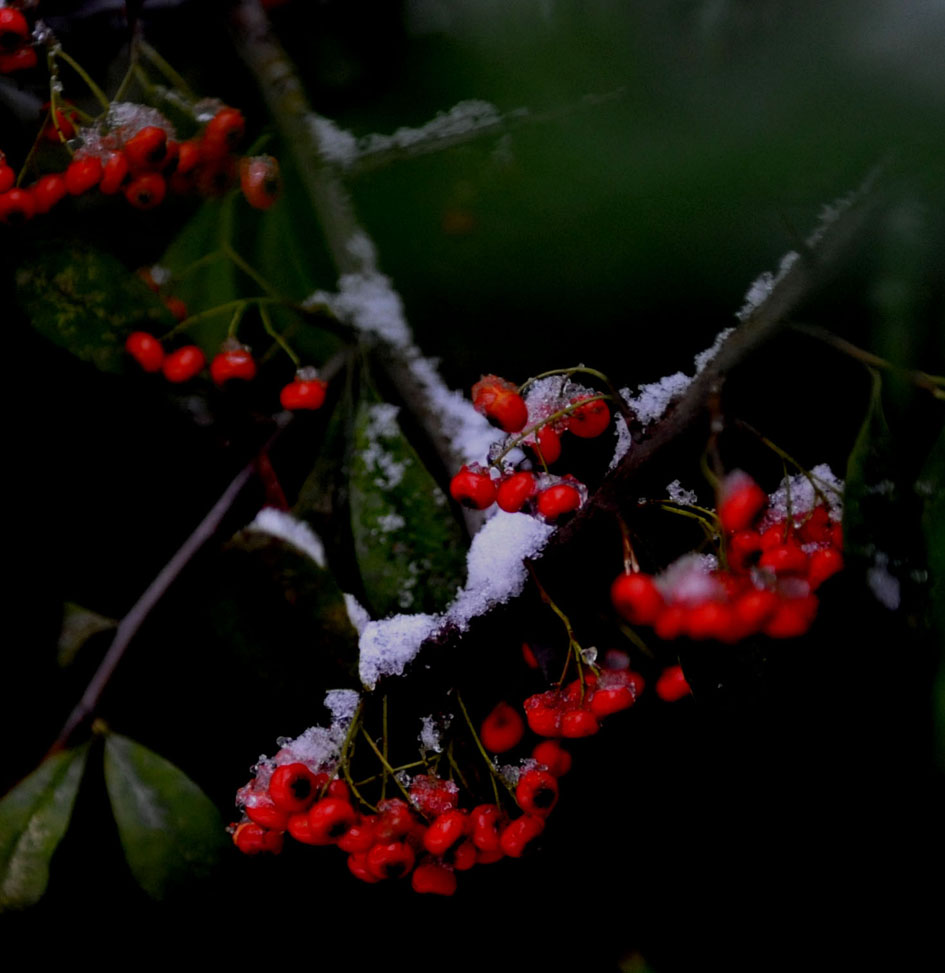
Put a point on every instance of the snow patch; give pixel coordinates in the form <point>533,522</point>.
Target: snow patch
<point>281,524</point>
<point>388,645</point>
<point>884,585</point>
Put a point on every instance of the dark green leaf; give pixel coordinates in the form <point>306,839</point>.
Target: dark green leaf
<point>409,547</point>
<point>170,830</point>
<point>78,626</point>
<point>86,301</point>
<point>33,818</point>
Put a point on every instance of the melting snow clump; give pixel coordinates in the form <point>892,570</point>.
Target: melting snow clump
<point>652,400</point>
<point>388,645</point>
<point>763,285</point>
<point>342,704</point>
<point>679,494</point>
<point>798,492</point>
<point>356,612</point>
<point>281,524</point>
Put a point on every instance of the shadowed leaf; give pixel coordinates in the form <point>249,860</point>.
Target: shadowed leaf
<point>78,626</point>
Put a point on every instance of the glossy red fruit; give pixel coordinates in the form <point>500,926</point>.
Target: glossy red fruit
<point>529,657</point>
<point>268,816</point>
<point>743,549</point>
<point>537,792</point>
<point>60,130</point>
<point>223,133</point>
<point>577,723</point>
<point>330,818</point>
<point>47,191</point>
<point>519,833</point>
<point>392,860</point>
<point>183,364</point>
<point>146,350</point>
<point>637,598</point>
<point>463,855</point>
<point>792,617</point>
<point>147,148</point>
<point>498,400</point>
<point>589,420</point>
<point>14,29</point>
<point>115,173</point>
<point>146,190</point>
<point>358,866</point>
<point>741,502</point>
<point>557,501</point>
<point>299,395</point>
<point>543,712</point>
<point>515,491</point>
<point>433,879</point>
<point>394,821</point>
<point>754,607</point>
<point>252,839</point>
<point>83,174</point>
<point>502,729</point>
<point>176,306</point>
<point>235,363</point>
<point>260,181</point>
<point>547,447</point>
<point>787,558</point>
<point>445,831</point>
<point>473,488</point>
<point>360,836</point>
<point>713,620</point>
<point>22,59</point>
<point>16,206</point>
<point>486,825</point>
<point>672,684</point>
<point>556,760</point>
<point>292,787</point>
<point>7,177</point>
<point>188,157</point>
<point>433,796</point>
<point>610,700</point>
<point>824,563</point>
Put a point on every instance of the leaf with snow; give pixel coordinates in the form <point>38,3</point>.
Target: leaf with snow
<point>408,544</point>
<point>170,831</point>
<point>34,817</point>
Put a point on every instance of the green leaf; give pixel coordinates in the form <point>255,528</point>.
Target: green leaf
<point>33,818</point>
<point>86,301</point>
<point>410,549</point>
<point>78,626</point>
<point>170,830</point>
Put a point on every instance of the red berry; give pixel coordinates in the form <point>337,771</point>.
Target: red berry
<point>502,729</point>
<point>498,400</point>
<point>216,176</point>
<point>445,831</point>
<point>394,821</point>
<point>543,713</point>
<point>251,839</point>
<point>260,181</point>
<point>236,363</point>
<point>515,491</point>
<point>360,836</point>
<point>743,549</point>
<point>529,657</point>
<point>433,796</point>
<point>147,148</point>
<point>268,816</point>
<point>824,563</point>
<point>183,364</point>
<point>292,787</point>
<point>636,598</point>
<point>557,501</point>
<point>433,879</point>
<point>672,684</point>
<point>576,723</point>
<point>22,59</point>
<point>754,608</point>
<point>65,130</point>
<point>464,855</point>
<point>16,206</point>
<point>547,446</point>
<point>792,618</point>
<point>589,420</point>
<point>741,502</point>
<point>14,30</point>
<point>223,133</point>
<point>392,860</point>
<point>473,489</point>
<point>537,792</point>
<point>330,818</point>
<point>519,833</point>
<point>358,866</point>
<point>303,395</point>
<point>713,620</point>
<point>605,701</point>
<point>301,830</point>
<point>146,350</point>
<point>816,526</point>
<point>7,177</point>
<point>486,824</point>
<point>47,191</point>
<point>787,558</point>
<point>188,157</point>
<point>553,756</point>
<point>671,622</point>
<point>176,306</point>
<point>83,174</point>
<point>146,190</point>
<point>114,173</point>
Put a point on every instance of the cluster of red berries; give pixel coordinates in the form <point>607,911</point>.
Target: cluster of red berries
<point>234,362</point>
<point>141,159</point>
<point>431,838</point>
<point>775,563</point>
<point>16,51</point>
<point>545,494</point>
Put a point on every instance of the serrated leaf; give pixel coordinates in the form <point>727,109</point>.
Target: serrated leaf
<point>86,301</point>
<point>409,547</point>
<point>170,830</point>
<point>78,626</point>
<point>34,817</point>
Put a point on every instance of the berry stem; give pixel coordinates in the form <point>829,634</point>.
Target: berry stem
<point>274,334</point>
<point>165,68</point>
<point>630,563</point>
<point>567,372</point>
<point>100,95</point>
<point>384,741</point>
<point>248,269</point>
<point>389,771</point>
<point>479,746</point>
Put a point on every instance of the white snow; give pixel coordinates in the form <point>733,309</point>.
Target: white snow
<point>624,441</point>
<point>356,612</point>
<point>389,644</point>
<point>679,494</point>
<point>652,399</point>
<point>803,497</point>
<point>281,524</point>
<point>704,357</point>
<point>763,285</point>
<point>382,424</point>
<point>336,145</point>
<point>688,580</point>
<point>883,584</point>
<point>431,731</point>
<point>342,704</point>
<point>464,117</point>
